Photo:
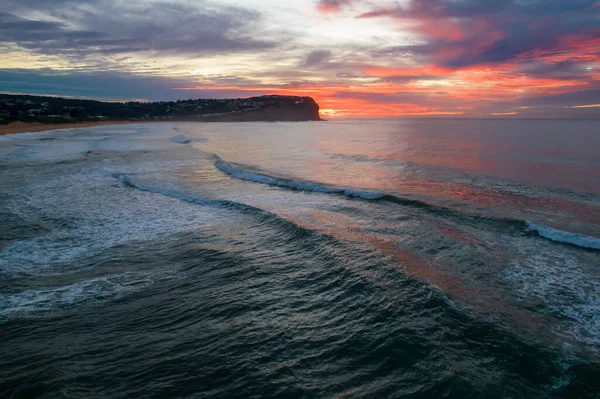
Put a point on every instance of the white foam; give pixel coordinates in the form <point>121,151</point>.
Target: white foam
<point>256,177</point>
<point>35,150</point>
<point>35,135</point>
<point>47,299</point>
<point>564,236</point>
<point>98,214</point>
<point>570,293</point>
<point>183,139</point>
<point>168,190</point>
<point>77,142</point>
<point>72,132</point>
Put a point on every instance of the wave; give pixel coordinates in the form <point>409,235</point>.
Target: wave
<point>257,177</point>
<point>520,225</point>
<point>295,230</point>
<point>244,174</point>
<point>162,189</point>
<point>494,184</point>
<point>564,236</point>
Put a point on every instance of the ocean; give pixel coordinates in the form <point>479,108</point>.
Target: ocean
<point>354,258</point>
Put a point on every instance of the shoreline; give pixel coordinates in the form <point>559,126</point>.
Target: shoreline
<point>33,127</point>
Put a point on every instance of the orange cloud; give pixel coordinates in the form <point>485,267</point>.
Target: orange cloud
<point>388,72</point>
<point>430,90</point>
<point>332,103</point>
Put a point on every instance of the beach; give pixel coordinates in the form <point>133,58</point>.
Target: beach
<point>22,127</point>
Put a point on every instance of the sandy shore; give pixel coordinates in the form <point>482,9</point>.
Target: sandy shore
<point>21,127</point>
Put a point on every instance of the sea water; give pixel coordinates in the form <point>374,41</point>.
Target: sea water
<point>349,258</point>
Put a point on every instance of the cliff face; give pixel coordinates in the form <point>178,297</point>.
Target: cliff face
<point>264,108</point>
<point>273,108</point>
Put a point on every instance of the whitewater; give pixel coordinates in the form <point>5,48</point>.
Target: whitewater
<point>360,258</point>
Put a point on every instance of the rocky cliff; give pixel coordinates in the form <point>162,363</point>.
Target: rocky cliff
<point>272,108</point>
<point>60,110</point>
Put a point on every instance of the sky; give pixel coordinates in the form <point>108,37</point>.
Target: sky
<point>359,58</point>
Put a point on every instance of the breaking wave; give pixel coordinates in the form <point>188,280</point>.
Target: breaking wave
<point>257,177</point>
<point>564,236</point>
<point>162,189</point>
<point>549,233</point>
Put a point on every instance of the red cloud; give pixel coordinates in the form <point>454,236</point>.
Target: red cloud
<point>328,6</point>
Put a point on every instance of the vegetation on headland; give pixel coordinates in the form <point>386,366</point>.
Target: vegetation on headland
<point>25,108</point>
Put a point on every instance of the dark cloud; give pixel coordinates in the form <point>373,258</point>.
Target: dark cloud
<point>565,70</point>
<point>470,32</point>
<point>323,63</point>
<point>98,85</point>
<point>317,57</point>
<point>563,105</point>
<point>108,27</point>
<point>124,86</point>
<point>585,97</point>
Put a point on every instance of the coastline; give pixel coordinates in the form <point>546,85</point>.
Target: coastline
<point>22,127</point>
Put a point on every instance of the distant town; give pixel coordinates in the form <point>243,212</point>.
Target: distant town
<point>25,108</point>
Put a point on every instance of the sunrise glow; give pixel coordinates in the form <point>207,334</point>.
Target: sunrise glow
<point>355,58</point>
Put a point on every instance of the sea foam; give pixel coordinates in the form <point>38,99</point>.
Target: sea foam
<point>564,236</point>
<point>558,282</point>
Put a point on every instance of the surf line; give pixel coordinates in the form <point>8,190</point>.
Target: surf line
<point>549,233</point>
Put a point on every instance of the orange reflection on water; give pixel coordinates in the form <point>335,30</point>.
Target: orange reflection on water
<point>443,275</point>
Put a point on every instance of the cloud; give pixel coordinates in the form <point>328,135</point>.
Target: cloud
<point>98,85</point>
<point>333,5</point>
<point>341,99</point>
<point>317,57</point>
<point>471,32</point>
<point>470,57</point>
<point>582,97</point>
<point>75,28</point>
<point>585,106</point>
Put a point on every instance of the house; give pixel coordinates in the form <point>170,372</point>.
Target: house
<point>35,111</point>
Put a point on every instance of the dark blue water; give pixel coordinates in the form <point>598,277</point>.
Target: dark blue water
<point>356,258</point>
